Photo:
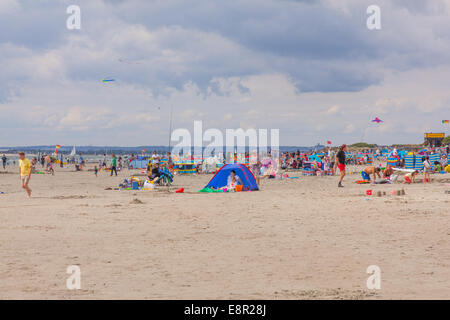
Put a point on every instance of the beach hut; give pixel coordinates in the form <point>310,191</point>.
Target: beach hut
<point>220,179</point>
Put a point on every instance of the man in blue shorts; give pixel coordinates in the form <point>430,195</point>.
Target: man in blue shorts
<point>375,171</point>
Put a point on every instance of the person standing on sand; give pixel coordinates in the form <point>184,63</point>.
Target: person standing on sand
<point>4,159</point>
<point>25,172</point>
<point>427,169</point>
<point>444,161</point>
<point>170,161</point>
<point>340,161</point>
<point>114,165</point>
<point>256,166</point>
<point>332,157</point>
<point>104,161</point>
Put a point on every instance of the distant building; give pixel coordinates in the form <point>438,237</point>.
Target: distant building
<point>434,139</point>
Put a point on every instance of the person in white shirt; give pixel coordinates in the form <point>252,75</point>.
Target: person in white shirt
<point>233,180</point>
<point>427,169</point>
<point>444,161</point>
<point>155,158</point>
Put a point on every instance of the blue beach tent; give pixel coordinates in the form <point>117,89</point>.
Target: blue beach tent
<point>220,179</point>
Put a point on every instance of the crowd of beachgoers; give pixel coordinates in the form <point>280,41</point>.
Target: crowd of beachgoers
<point>380,165</point>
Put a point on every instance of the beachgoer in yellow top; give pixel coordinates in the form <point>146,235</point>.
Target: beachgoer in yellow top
<point>25,172</point>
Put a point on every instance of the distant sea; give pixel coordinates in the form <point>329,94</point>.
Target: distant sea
<point>98,150</point>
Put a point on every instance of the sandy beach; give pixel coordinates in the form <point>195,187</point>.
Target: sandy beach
<point>295,239</point>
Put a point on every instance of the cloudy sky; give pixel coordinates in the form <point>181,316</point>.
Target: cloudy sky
<point>309,68</point>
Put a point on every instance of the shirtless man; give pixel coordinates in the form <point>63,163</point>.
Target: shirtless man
<point>375,171</point>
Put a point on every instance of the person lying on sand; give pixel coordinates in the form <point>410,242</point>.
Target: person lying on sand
<point>375,171</point>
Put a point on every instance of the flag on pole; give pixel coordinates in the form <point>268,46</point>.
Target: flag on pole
<point>328,142</point>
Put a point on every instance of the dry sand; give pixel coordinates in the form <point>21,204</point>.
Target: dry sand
<point>295,239</point>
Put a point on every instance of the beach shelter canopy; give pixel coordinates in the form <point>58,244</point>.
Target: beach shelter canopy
<point>220,179</point>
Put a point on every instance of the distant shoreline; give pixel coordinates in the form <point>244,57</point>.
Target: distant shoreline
<point>122,150</point>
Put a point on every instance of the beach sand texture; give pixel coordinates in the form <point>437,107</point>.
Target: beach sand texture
<point>295,239</point>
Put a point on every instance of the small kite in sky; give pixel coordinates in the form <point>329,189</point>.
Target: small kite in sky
<point>377,120</point>
<point>108,80</point>
<point>445,121</point>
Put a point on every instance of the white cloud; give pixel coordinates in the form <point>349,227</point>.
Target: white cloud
<point>259,67</point>
<point>9,6</point>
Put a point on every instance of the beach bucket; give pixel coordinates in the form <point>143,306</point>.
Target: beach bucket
<point>369,192</point>
<point>238,188</point>
<point>135,185</point>
<point>181,190</point>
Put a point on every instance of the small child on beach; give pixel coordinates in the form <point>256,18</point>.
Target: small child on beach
<point>437,166</point>
<point>410,177</point>
<point>427,169</point>
<point>95,171</point>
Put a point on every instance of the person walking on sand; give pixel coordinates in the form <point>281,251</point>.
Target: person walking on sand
<point>340,161</point>
<point>25,172</point>
<point>114,165</point>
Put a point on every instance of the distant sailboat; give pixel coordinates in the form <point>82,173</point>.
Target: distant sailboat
<point>74,152</point>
